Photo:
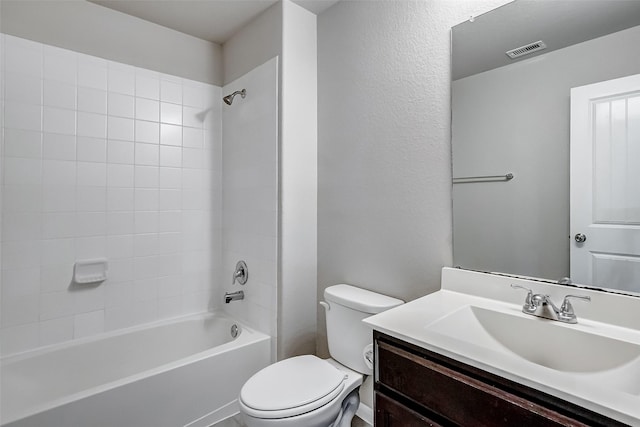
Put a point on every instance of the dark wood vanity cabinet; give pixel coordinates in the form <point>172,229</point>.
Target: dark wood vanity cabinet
<point>417,387</point>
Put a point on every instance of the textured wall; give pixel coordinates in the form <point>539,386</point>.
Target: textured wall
<point>384,197</point>
<point>288,31</point>
<point>298,183</point>
<point>256,43</point>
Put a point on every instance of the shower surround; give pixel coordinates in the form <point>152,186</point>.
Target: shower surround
<point>103,159</point>
<point>250,196</point>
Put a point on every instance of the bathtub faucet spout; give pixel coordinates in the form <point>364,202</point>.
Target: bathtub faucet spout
<point>233,296</point>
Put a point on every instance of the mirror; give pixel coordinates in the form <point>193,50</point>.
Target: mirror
<point>512,116</point>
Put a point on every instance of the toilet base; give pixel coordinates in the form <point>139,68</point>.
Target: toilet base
<point>319,418</point>
<point>326,416</point>
<point>347,410</point>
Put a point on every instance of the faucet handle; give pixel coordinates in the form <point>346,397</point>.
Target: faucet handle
<point>567,309</point>
<point>241,273</point>
<point>528,302</point>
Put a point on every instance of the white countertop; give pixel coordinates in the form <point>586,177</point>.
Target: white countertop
<point>613,392</point>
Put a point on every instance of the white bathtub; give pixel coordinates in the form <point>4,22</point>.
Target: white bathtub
<point>184,372</point>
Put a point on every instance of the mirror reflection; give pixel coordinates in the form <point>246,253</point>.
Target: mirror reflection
<point>546,145</point>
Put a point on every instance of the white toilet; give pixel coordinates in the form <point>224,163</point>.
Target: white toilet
<point>306,391</point>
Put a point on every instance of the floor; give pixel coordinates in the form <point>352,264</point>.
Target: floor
<point>230,422</point>
<point>357,422</point>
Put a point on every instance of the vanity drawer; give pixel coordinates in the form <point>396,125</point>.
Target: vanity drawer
<point>452,395</point>
<point>390,413</point>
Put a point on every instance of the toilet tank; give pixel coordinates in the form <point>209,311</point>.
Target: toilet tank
<point>350,339</point>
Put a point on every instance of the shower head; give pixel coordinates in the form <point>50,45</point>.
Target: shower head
<point>229,98</point>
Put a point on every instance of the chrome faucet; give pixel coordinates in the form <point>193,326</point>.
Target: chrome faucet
<point>241,273</point>
<point>233,296</point>
<point>541,305</point>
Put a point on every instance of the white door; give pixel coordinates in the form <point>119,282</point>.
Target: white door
<point>605,184</point>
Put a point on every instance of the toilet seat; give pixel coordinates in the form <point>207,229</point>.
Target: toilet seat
<point>291,387</point>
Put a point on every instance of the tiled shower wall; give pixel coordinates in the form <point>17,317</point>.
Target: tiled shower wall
<point>102,159</point>
<point>250,195</point>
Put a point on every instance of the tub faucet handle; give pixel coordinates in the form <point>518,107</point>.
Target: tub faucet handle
<point>241,273</point>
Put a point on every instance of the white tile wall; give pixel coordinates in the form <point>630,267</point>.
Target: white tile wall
<point>103,159</point>
<point>250,193</point>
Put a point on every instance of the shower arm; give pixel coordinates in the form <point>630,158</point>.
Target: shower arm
<point>229,98</point>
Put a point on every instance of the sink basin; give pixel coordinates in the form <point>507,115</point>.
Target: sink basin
<point>544,342</point>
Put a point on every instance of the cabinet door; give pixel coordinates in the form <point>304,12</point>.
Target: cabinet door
<point>390,413</point>
<point>463,400</point>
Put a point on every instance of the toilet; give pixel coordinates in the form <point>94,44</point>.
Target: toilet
<point>306,391</point>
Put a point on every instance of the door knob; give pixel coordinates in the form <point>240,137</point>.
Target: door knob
<point>580,238</point>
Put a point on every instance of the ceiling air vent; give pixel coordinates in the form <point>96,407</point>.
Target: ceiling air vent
<point>526,49</point>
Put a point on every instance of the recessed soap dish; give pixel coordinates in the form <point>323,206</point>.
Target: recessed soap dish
<point>89,271</point>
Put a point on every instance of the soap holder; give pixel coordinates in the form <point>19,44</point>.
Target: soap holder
<point>88,271</point>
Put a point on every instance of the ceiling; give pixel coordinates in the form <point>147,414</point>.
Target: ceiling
<point>480,45</point>
<point>212,20</point>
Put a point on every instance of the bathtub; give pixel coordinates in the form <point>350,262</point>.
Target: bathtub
<point>183,372</point>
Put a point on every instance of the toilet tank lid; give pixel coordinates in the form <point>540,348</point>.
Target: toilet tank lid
<point>360,299</point>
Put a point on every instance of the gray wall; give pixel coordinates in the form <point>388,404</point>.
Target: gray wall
<point>516,119</point>
<point>288,31</point>
<point>256,43</point>
<point>298,187</point>
<point>384,156</point>
<point>96,30</point>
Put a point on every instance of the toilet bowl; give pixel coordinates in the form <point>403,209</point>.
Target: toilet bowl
<point>300,391</point>
<point>306,391</point>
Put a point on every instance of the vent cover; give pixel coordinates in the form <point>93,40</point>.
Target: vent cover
<point>526,49</point>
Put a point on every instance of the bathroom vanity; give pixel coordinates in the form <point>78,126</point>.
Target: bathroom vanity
<point>415,387</point>
<point>468,356</point>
